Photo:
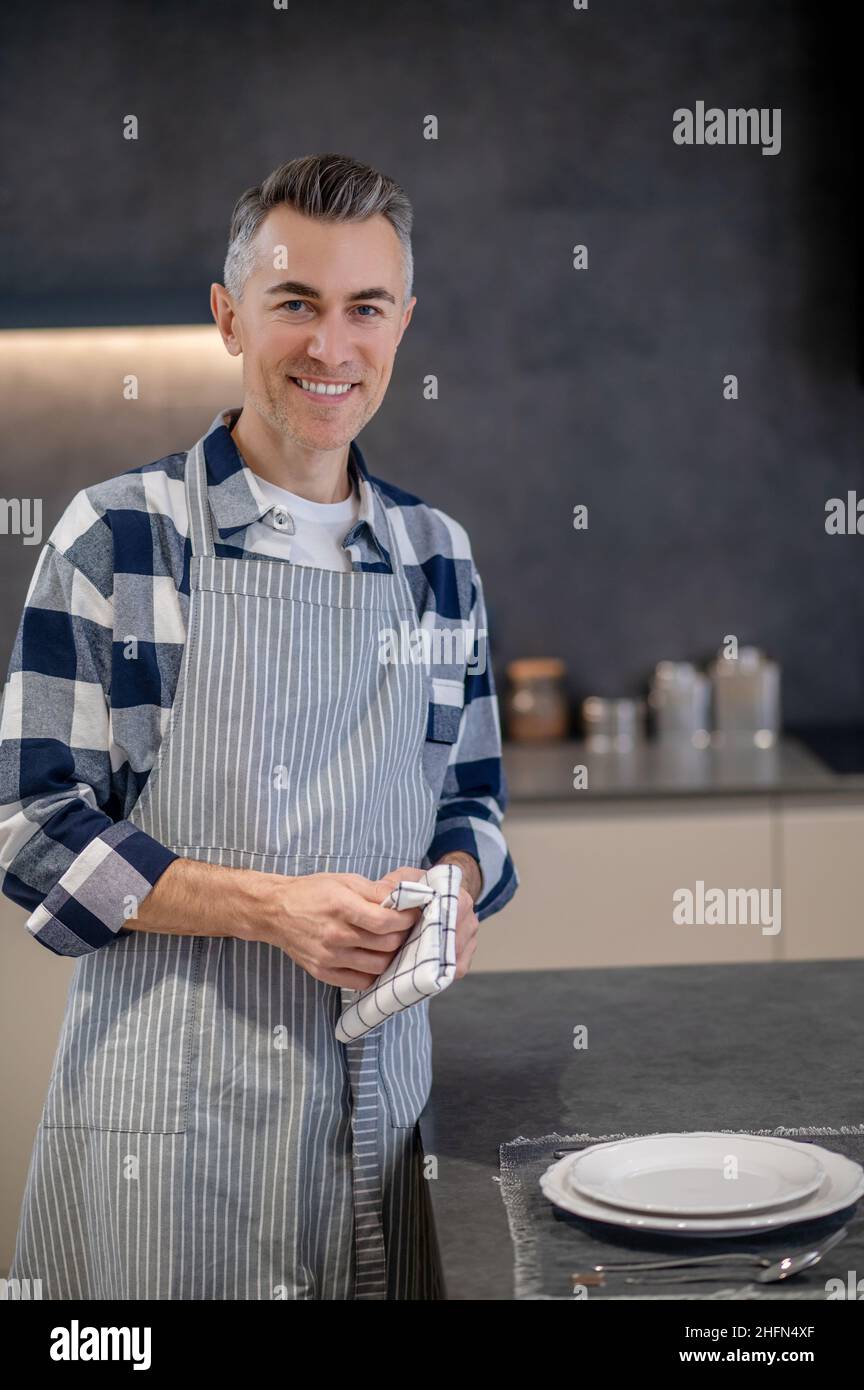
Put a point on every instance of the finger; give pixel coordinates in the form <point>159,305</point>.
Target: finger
<point>347,979</point>
<point>467,929</point>
<point>358,939</point>
<point>373,890</point>
<point>371,894</point>
<point>364,961</point>
<point>381,920</point>
<point>465,956</point>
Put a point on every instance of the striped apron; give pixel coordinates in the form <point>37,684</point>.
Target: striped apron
<point>205,1136</point>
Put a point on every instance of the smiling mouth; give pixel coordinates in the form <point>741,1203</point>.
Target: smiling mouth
<point>327,392</point>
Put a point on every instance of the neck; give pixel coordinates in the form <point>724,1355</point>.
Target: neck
<point>320,475</point>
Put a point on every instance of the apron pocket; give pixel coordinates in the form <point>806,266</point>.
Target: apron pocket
<point>125,1052</point>
<point>446,701</point>
<point>405,1062</point>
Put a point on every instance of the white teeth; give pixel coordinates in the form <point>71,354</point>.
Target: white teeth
<point>319,389</point>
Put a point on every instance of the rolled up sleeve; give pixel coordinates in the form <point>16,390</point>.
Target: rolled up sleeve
<point>474,797</point>
<point>78,869</point>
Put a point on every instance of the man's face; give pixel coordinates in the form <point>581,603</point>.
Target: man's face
<point>323,304</point>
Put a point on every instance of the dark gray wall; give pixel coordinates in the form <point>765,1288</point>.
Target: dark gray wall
<point>605,387</point>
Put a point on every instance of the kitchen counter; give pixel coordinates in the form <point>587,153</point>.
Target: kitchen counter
<point>670,1048</point>
<point>544,772</point>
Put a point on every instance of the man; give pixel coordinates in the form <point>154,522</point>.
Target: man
<point>216,764</point>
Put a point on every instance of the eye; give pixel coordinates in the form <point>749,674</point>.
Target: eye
<point>375,311</point>
<point>291,301</point>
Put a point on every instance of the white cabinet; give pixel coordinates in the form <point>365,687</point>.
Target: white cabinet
<point>597,881</point>
<point>821,848</point>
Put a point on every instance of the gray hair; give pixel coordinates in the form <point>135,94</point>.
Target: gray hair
<point>329,187</point>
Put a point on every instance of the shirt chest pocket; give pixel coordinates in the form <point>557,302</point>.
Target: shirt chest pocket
<point>446,700</point>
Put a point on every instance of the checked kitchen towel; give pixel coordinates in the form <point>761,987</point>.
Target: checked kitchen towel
<point>426,963</point>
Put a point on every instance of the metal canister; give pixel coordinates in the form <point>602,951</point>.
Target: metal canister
<point>680,703</point>
<point>613,725</point>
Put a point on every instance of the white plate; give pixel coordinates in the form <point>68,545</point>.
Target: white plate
<point>705,1173</point>
<point>842,1185</point>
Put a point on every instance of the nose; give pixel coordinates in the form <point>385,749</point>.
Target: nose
<point>330,340</point>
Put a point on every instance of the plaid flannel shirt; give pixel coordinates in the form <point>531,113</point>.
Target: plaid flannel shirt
<point>81,724</point>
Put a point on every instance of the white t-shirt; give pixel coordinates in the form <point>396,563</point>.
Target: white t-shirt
<point>319,528</point>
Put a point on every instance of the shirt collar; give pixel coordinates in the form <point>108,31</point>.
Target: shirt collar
<point>237,501</point>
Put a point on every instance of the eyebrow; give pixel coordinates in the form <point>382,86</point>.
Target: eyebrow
<point>309,292</point>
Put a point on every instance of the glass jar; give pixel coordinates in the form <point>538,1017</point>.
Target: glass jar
<point>535,701</point>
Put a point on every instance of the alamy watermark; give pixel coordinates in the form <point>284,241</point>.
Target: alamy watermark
<point>737,126</point>
<point>433,646</point>
<point>77,1343</point>
<point>853,1288</point>
<point>20,1290</point>
<point>844,516</point>
<point>727,907</point>
<point>22,516</point>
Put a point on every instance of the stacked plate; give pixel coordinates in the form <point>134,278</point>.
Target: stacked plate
<point>704,1184</point>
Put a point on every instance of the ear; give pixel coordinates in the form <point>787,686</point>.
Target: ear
<point>226,318</point>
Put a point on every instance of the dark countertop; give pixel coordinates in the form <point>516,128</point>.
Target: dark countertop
<point>669,1048</point>
<point>543,772</point>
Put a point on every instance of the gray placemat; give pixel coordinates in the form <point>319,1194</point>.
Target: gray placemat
<point>550,1244</point>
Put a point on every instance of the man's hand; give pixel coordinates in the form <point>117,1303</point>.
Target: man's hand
<point>467,922</point>
<point>331,924</point>
<point>334,927</point>
<point>467,927</point>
